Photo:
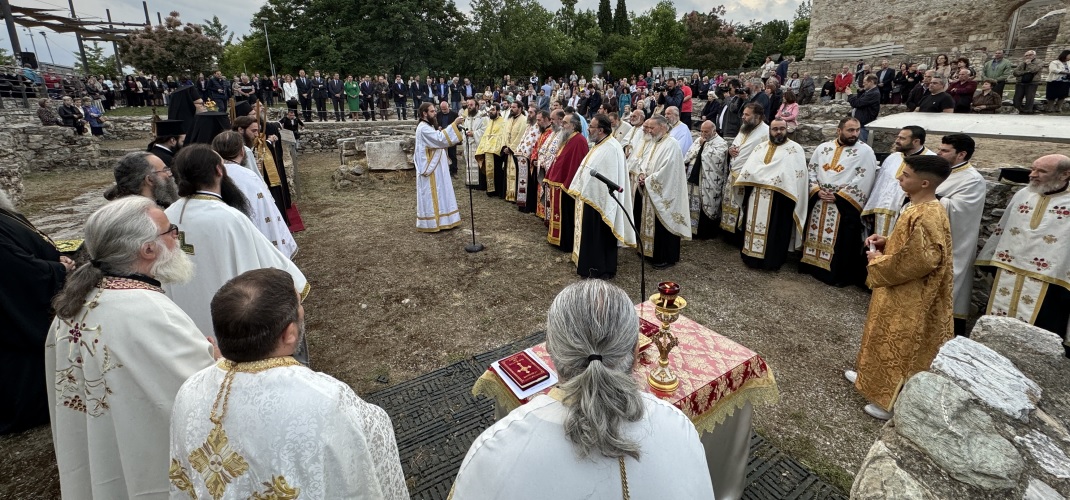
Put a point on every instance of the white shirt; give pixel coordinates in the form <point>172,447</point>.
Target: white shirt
<point>526,456</point>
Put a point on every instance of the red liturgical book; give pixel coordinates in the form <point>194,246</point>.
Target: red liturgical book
<point>523,370</point>
<point>647,328</point>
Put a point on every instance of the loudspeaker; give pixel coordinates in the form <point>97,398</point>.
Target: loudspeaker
<point>29,59</point>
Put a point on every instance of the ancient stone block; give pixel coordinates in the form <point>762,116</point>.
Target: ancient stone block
<point>1039,490</point>
<point>937,417</point>
<point>880,478</point>
<point>989,376</point>
<point>1046,453</point>
<point>387,155</point>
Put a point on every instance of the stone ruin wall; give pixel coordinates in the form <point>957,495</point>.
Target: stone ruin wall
<point>931,27</point>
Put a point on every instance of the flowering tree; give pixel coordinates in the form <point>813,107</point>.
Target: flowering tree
<point>171,48</point>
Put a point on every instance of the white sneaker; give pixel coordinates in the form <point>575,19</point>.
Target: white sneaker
<point>850,375</point>
<point>876,412</point>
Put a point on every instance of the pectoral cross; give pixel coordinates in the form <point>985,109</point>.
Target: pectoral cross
<point>523,369</point>
<point>182,243</point>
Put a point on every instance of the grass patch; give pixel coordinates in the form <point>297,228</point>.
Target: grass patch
<point>803,449</point>
<point>45,190</point>
<point>142,111</point>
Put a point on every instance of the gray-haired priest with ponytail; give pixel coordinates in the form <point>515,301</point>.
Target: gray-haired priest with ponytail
<point>117,353</point>
<point>595,436</point>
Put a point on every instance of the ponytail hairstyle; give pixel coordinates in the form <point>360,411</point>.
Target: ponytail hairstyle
<point>114,235</point>
<point>194,169</point>
<point>591,334</point>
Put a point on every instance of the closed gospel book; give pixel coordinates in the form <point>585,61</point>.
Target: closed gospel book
<point>523,370</point>
<point>647,328</point>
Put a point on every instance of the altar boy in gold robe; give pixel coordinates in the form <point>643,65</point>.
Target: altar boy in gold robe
<point>911,274</point>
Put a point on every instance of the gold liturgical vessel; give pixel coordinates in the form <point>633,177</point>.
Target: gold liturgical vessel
<point>667,307</point>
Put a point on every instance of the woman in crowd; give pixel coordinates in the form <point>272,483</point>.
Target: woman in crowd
<point>828,90</point>
<point>899,84</point>
<point>943,66</point>
<point>767,68</point>
<point>789,112</point>
<point>985,101</point>
<point>352,90</point>
<point>794,83</point>
<point>625,99</point>
<point>597,434</point>
<point>93,116</point>
<point>776,97</point>
<point>130,87</point>
<point>1058,82</point>
<point>47,114</point>
<point>289,92</point>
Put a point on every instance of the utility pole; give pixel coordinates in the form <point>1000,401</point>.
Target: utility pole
<point>159,19</point>
<point>268,40</point>
<point>115,47</point>
<point>45,36</point>
<point>148,22</point>
<point>78,37</point>
<point>32,42</point>
<point>12,32</point>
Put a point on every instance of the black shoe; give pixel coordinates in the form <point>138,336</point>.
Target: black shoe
<point>663,265</point>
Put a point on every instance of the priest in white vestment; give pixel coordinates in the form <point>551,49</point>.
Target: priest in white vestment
<point>622,130</point>
<point>678,130</point>
<point>263,210</point>
<point>258,424</point>
<point>887,198</point>
<point>963,196</point>
<point>752,133</point>
<point>220,240</point>
<point>532,455</point>
<point>706,172</point>
<point>635,135</point>
<point>661,209</point>
<point>436,204</point>
<point>600,222</point>
<point>842,173</point>
<point>527,199</point>
<point>516,125</point>
<point>117,353</point>
<point>1028,251</point>
<point>477,124</point>
<point>774,204</point>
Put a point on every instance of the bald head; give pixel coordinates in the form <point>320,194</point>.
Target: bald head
<point>656,126</point>
<point>708,129</point>
<point>636,118</point>
<point>1050,173</point>
<point>672,113</point>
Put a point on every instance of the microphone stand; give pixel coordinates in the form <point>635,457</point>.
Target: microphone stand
<point>638,239</point>
<point>474,247</point>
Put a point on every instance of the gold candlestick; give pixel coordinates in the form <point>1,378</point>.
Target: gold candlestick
<point>667,307</point>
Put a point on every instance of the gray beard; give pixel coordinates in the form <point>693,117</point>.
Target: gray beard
<point>172,266</point>
<point>165,192</point>
<point>5,202</point>
<point>1045,187</point>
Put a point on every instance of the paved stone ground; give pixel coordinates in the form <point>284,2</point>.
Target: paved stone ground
<point>436,418</point>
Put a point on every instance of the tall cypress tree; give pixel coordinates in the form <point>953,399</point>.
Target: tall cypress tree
<point>605,17</point>
<point>622,25</point>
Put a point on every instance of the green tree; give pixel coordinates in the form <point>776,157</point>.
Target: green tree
<point>605,17</point>
<point>512,36</point>
<point>171,48</point>
<point>216,29</point>
<point>565,20</point>
<point>246,54</point>
<point>795,44</point>
<point>661,37</point>
<point>6,58</point>
<point>98,64</point>
<point>622,25</point>
<point>712,42</point>
<point>766,39</point>
<point>621,59</point>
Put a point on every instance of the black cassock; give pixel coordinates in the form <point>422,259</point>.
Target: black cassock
<point>666,245</point>
<point>778,236</point>
<point>598,246</point>
<point>281,193</point>
<point>32,275</point>
<point>848,266</point>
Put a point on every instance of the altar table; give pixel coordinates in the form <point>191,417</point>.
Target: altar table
<point>720,382</point>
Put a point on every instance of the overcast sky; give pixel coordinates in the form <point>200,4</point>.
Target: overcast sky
<point>236,14</point>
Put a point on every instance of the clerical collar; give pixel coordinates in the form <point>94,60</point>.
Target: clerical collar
<point>200,195</point>
<point>135,281</point>
<point>165,148</point>
<point>259,365</point>
<point>961,166</point>
<point>918,152</point>
<point>1057,191</point>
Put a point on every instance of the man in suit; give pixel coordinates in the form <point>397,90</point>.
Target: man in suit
<point>885,75</point>
<point>400,92</point>
<point>542,102</point>
<point>455,95</point>
<point>319,93</point>
<point>468,90</point>
<point>447,116</point>
<point>367,99</point>
<point>338,95</point>
<point>442,91</point>
<point>414,92</point>
<point>867,104</point>
<point>426,90</point>
<point>304,94</point>
<point>218,90</point>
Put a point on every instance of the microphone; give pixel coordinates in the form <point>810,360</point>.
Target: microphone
<point>610,184</point>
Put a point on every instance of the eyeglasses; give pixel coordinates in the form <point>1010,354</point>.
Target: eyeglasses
<point>165,169</point>
<point>172,230</point>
